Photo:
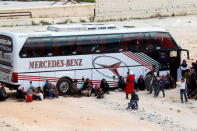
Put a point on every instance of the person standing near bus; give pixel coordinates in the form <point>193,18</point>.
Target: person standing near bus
<point>161,86</point>
<point>129,84</point>
<point>184,67</point>
<point>183,90</point>
<point>152,79</point>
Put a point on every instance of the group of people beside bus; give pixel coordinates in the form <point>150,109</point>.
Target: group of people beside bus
<point>89,89</point>
<point>189,75</point>
<point>50,91</point>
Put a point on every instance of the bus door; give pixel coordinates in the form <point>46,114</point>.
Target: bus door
<point>182,54</point>
<point>174,62</point>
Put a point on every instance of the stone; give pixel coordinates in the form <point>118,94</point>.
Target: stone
<point>178,110</point>
<point>8,125</point>
<point>141,118</point>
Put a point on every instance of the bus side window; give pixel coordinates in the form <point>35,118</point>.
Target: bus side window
<point>123,44</point>
<point>103,48</point>
<point>56,49</point>
<point>102,44</point>
<point>168,41</point>
<point>130,42</point>
<point>157,40</point>
<point>148,44</point>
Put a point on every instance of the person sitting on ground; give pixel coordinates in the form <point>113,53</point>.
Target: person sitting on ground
<point>161,86</point>
<point>96,89</point>
<point>74,90</point>
<point>87,89</point>
<point>121,83</point>
<point>133,104</point>
<point>100,94</point>
<point>141,83</point>
<point>46,89</point>
<point>105,86</point>
<point>183,90</point>
<point>20,93</point>
<point>39,94</point>
<point>85,84</point>
<point>3,93</point>
<point>28,95</point>
<point>54,91</point>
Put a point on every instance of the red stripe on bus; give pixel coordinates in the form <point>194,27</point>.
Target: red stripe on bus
<point>55,79</point>
<point>147,51</point>
<point>139,59</point>
<point>135,58</point>
<point>38,76</point>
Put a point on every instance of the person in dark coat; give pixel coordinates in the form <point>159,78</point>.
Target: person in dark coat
<point>20,93</point>
<point>121,83</point>
<point>130,84</point>
<point>105,86</point>
<point>134,101</point>
<point>141,83</point>
<point>192,79</point>
<point>184,67</point>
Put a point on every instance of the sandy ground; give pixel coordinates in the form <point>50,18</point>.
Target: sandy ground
<point>110,113</point>
<point>88,113</point>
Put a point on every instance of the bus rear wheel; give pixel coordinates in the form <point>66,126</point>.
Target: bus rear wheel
<point>63,86</point>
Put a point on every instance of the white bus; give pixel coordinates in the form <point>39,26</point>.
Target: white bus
<point>64,53</point>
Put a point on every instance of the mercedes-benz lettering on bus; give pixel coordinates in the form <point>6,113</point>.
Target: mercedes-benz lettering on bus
<point>65,53</point>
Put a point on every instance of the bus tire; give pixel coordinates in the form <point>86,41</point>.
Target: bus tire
<point>63,85</point>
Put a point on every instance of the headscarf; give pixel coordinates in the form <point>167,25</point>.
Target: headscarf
<point>184,63</point>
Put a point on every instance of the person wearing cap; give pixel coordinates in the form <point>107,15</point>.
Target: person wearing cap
<point>129,84</point>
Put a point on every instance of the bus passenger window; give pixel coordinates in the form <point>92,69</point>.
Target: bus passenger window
<point>163,40</point>
<point>131,41</point>
<point>148,45</point>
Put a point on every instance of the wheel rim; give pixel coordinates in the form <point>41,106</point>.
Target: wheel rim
<point>64,86</point>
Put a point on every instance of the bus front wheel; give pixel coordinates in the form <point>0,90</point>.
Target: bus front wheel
<point>63,85</point>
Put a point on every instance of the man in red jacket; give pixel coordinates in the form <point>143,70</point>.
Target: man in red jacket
<point>129,84</point>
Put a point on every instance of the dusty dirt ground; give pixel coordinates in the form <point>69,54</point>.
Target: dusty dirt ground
<point>88,113</point>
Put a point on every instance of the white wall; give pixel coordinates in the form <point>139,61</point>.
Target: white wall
<point>117,9</point>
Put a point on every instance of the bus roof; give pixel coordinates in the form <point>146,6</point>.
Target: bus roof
<point>82,29</point>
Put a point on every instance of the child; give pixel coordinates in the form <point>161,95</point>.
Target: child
<point>134,101</point>
<point>100,93</point>
<point>183,90</point>
<point>161,85</point>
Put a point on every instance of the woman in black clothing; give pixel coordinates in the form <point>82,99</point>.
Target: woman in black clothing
<point>121,83</point>
<point>141,83</point>
<point>104,85</point>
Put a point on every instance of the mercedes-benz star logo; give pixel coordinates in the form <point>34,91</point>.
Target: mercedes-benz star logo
<point>115,66</point>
